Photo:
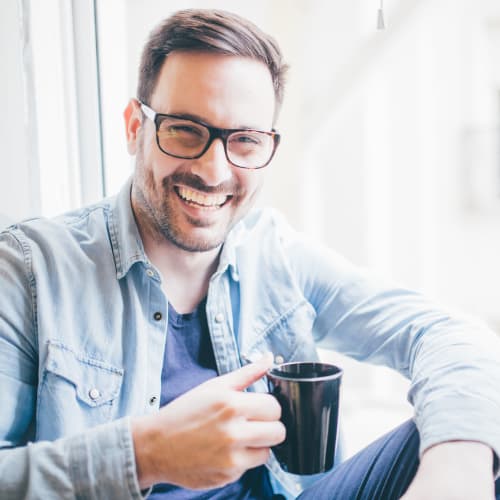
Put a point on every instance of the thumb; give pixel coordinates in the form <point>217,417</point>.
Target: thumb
<point>245,376</point>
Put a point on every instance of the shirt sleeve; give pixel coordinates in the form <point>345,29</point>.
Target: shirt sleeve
<point>98,463</point>
<point>453,362</point>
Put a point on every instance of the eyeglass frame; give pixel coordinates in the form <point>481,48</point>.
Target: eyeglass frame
<point>214,133</point>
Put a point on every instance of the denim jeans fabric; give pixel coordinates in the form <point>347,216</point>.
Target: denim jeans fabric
<point>381,471</point>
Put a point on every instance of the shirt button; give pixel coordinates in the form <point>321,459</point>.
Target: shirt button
<point>219,318</point>
<point>157,316</point>
<point>279,359</point>
<point>94,394</point>
<point>150,273</point>
<point>152,400</point>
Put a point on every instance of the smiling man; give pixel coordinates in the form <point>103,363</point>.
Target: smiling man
<point>124,325</point>
<point>201,146</point>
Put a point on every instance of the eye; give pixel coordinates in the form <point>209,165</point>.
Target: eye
<point>243,138</point>
<point>184,129</point>
<point>248,139</point>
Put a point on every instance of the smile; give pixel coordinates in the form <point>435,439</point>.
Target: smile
<point>204,200</point>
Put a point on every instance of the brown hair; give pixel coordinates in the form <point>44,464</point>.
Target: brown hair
<point>209,31</point>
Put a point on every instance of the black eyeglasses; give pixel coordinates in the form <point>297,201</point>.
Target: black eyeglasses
<point>184,138</point>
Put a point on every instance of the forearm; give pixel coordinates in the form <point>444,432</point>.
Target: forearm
<point>455,470</point>
<point>96,464</point>
<point>471,456</point>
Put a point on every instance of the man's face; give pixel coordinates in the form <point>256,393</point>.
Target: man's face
<point>194,203</point>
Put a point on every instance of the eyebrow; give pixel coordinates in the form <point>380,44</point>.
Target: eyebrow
<point>199,119</point>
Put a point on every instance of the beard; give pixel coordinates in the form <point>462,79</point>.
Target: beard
<point>155,205</point>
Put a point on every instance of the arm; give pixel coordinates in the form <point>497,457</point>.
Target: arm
<point>98,463</point>
<point>453,362</point>
<point>453,470</point>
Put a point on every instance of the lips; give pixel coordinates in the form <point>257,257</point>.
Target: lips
<point>199,199</point>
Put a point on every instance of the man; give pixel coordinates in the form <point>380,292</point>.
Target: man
<point>124,325</point>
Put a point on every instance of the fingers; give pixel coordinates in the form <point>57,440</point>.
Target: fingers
<point>261,434</point>
<point>253,457</point>
<point>256,406</point>
<point>243,377</point>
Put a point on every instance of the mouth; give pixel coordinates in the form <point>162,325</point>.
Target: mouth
<point>202,200</point>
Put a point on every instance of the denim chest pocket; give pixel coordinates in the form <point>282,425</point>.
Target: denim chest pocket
<point>76,392</point>
<point>289,336</point>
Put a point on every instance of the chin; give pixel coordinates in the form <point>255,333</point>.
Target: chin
<point>195,242</point>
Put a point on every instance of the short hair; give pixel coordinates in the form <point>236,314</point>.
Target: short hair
<point>209,30</point>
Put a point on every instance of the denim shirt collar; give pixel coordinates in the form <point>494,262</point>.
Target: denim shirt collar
<point>227,259</point>
<point>128,248</point>
<point>126,241</point>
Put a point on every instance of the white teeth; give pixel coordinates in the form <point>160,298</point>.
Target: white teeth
<point>207,200</point>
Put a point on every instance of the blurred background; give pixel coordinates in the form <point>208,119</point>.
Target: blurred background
<point>390,151</point>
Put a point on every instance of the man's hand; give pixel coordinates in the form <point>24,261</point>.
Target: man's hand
<point>455,470</point>
<point>211,435</point>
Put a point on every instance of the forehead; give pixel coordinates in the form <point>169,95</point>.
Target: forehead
<point>223,90</point>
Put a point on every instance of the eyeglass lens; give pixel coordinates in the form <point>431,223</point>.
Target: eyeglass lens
<point>187,139</point>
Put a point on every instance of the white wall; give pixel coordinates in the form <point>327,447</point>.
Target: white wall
<point>19,188</point>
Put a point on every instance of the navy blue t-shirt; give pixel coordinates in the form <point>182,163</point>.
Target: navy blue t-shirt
<point>188,361</point>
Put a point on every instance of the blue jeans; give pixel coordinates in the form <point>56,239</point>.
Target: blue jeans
<point>381,471</point>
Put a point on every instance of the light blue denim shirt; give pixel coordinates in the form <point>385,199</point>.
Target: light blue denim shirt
<point>83,320</point>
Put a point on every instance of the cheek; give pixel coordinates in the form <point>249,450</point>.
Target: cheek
<point>254,181</point>
<point>157,164</point>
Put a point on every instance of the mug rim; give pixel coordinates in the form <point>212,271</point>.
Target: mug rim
<point>286,376</point>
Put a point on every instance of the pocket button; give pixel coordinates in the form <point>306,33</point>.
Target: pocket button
<point>94,394</point>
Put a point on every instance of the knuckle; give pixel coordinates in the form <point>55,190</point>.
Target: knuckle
<point>230,407</point>
<point>274,406</point>
<point>229,411</point>
<point>281,432</point>
<point>224,405</point>
<point>231,435</point>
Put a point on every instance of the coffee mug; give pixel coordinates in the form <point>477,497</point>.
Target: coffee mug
<point>308,393</point>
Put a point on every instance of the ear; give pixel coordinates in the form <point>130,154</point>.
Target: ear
<point>133,123</point>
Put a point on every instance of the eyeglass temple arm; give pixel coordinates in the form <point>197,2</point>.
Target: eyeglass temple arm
<point>148,111</point>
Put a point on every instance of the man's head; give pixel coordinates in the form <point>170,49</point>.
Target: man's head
<point>215,82</point>
<point>213,31</point>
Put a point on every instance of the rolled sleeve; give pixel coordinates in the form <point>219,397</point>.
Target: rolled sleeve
<point>455,378</point>
<point>96,464</point>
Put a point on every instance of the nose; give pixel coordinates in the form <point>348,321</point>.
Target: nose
<point>213,166</point>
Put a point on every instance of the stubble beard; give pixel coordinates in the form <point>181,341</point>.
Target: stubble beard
<point>154,207</point>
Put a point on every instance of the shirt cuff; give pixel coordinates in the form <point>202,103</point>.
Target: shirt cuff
<point>463,421</point>
<point>102,462</point>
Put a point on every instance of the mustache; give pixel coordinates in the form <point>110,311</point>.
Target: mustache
<point>193,181</point>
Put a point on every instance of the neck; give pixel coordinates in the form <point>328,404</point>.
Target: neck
<point>185,275</point>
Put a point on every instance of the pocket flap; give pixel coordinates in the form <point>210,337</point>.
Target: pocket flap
<point>95,382</point>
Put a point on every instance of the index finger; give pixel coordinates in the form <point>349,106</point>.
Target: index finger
<point>245,376</point>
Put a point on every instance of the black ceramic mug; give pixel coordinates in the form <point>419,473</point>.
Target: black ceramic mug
<point>308,393</point>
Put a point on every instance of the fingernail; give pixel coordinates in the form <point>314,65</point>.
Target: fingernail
<point>261,357</point>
